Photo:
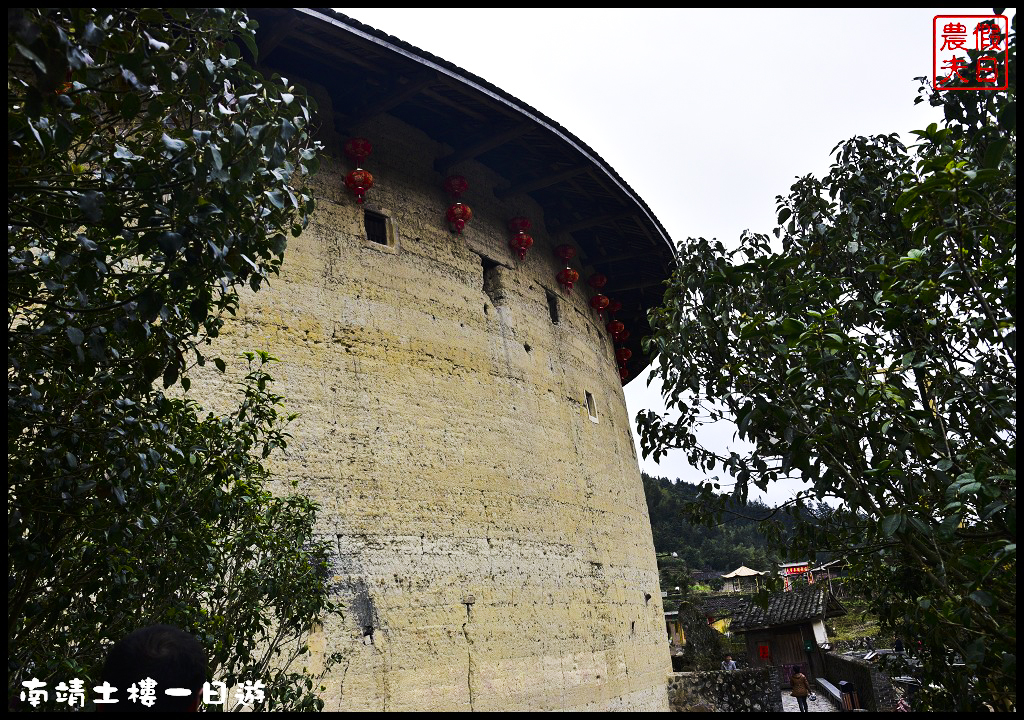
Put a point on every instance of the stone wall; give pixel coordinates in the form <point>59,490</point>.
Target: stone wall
<point>874,689</point>
<point>493,544</point>
<point>749,690</point>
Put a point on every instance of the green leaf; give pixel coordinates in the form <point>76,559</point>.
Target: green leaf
<point>172,144</point>
<point>994,152</point>
<point>891,524</point>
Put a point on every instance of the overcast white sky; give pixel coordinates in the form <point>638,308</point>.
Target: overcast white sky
<point>707,114</point>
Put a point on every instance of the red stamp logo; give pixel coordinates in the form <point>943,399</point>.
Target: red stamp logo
<point>970,52</point>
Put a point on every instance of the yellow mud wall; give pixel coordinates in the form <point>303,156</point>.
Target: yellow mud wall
<point>493,547</point>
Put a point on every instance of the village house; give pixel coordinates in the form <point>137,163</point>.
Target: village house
<point>790,631</point>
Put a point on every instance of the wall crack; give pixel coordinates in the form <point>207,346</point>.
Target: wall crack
<point>469,656</point>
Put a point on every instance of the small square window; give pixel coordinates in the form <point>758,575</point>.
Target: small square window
<point>376,227</point>
<point>552,306</point>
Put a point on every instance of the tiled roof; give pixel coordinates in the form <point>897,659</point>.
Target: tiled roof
<point>703,576</point>
<point>788,608</point>
<point>723,606</point>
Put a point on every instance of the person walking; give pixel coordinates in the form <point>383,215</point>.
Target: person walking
<point>800,687</point>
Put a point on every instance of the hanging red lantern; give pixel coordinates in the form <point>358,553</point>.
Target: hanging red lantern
<point>623,375</point>
<point>597,281</point>
<point>359,180</point>
<point>567,277</point>
<point>623,336</point>
<point>358,148</point>
<point>623,354</point>
<point>455,185</point>
<point>458,214</point>
<point>520,243</point>
<point>614,306</point>
<point>521,240</point>
<point>615,327</point>
<point>599,302</point>
<point>519,224</point>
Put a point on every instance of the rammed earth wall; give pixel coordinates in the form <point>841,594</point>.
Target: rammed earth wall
<point>750,690</point>
<point>874,688</point>
<point>493,543</point>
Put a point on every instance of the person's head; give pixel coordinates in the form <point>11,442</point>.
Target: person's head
<point>728,658</point>
<point>171,657</point>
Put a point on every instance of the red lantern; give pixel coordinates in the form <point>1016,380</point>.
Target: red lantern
<point>358,148</point>
<point>567,277</point>
<point>623,375</point>
<point>599,302</point>
<point>521,240</point>
<point>597,281</point>
<point>614,306</point>
<point>615,327</point>
<point>458,215</point>
<point>455,185</point>
<point>359,180</point>
<point>623,355</point>
<point>623,336</point>
<point>519,224</point>
<point>520,243</point>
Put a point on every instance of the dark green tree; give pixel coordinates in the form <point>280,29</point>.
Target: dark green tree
<point>704,645</point>
<point>152,174</point>
<point>870,350</point>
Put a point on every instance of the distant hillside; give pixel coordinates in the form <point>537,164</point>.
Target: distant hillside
<point>737,541</point>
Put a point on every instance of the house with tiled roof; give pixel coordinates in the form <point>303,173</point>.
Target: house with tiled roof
<point>720,610</point>
<point>789,631</point>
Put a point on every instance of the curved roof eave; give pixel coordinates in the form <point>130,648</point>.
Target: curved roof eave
<point>617,232</point>
<point>454,72</point>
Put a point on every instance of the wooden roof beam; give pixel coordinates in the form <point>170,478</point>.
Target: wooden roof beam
<point>268,42</point>
<point>482,145</point>
<point>542,182</point>
<point>328,52</point>
<point>632,255</point>
<point>400,95</point>
<point>596,220</point>
<point>438,97</point>
<point>642,285</point>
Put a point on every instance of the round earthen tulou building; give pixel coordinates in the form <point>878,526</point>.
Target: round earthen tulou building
<point>463,424</point>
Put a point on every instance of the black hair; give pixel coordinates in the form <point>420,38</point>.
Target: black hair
<point>171,657</point>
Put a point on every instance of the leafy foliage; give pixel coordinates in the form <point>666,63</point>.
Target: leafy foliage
<point>874,356</point>
<point>152,174</point>
<point>702,649</point>
<point>704,645</point>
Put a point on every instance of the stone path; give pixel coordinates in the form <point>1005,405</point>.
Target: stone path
<point>822,704</point>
